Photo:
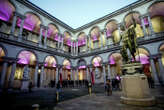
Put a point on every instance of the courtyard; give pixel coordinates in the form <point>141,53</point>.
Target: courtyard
<point>73,99</point>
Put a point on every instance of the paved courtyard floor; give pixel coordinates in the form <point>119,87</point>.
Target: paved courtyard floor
<point>73,99</point>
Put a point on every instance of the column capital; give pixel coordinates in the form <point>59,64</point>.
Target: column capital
<point>42,26</point>
<point>19,15</point>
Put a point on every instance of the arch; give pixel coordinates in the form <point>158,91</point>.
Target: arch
<point>161,50</point>
<point>26,56</point>
<point>32,22</point>
<point>4,50</point>
<point>142,55</point>
<point>81,64</point>
<point>97,61</point>
<point>50,61</point>
<point>67,64</point>
<point>157,15</point>
<point>114,57</point>
<point>111,26</point>
<point>6,10</point>
<point>67,38</point>
<point>53,31</point>
<point>128,19</point>
<point>81,39</point>
<point>95,33</point>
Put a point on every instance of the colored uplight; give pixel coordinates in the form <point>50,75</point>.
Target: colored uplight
<point>111,60</point>
<point>6,10</point>
<point>82,67</point>
<point>26,57</point>
<point>142,58</point>
<point>108,33</point>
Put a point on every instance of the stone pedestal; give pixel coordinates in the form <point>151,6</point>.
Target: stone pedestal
<point>135,89</point>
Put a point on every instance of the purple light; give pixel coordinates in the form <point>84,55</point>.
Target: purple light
<point>68,67</point>
<point>5,10</point>
<point>146,22</point>
<point>69,42</point>
<point>81,42</point>
<point>143,59</point>
<point>94,38</point>
<point>111,60</point>
<point>108,33</point>
<point>96,64</point>
<point>82,67</point>
<point>56,37</point>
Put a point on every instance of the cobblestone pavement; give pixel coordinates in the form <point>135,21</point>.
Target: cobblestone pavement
<point>73,99</point>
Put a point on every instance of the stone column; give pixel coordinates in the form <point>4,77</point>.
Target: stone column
<point>74,48</point>
<point>58,45</point>
<point>77,48</point>
<point>101,39</point>
<point>77,73</point>
<point>150,24</point>
<point>12,74</point>
<point>104,74</point>
<point>41,75</point>
<point>89,42</point>
<point>105,37</point>
<point>86,45</point>
<point>62,43</point>
<point>21,28</point>
<point>87,73</point>
<point>143,25</point>
<point>13,24</point>
<point>57,74</point>
<point>45,39</point>
<point>154,72</point>
<point>161,67</point>
<point>36,75</point>
<point>3,74</point>
<point>109,75</point>
<point>71,47</point>
<point>40,36</point>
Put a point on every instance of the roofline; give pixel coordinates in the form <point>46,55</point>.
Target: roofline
<point>108,16</point>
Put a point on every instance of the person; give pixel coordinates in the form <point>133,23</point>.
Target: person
<point>108,88</point>
<point>89,88</point>
<point>58,90</point>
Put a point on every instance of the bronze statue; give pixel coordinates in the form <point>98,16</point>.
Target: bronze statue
<point>129,42</point>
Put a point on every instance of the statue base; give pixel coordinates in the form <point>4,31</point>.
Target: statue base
<point>25,85</point>
<point>135,89</point>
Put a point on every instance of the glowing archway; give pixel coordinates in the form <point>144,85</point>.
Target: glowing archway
<point>31,23</point>
<point>81,39</point>
<point>27,57</point>
<point>129,22</point>
<point>162,51</point>
<point>52,32</point>
<point>2,53</point>
<point>50,61</point>
<point>97,61</point>
<point>157,16</point>
<point>67,38</point>
<point>6,10</point>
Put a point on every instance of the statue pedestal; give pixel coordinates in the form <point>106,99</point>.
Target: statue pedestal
<point>25,85</point>
<point>135,89</point>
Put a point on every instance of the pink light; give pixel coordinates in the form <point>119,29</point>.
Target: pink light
<point>82,67</point>
<point>68,67</point>
<point>96,64</point>
<point>94,37</point>
<point>5,10</point>
<point>146,22</point>
<point>111,60</point>
<point>143,59</point>
<point>108,33</point>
